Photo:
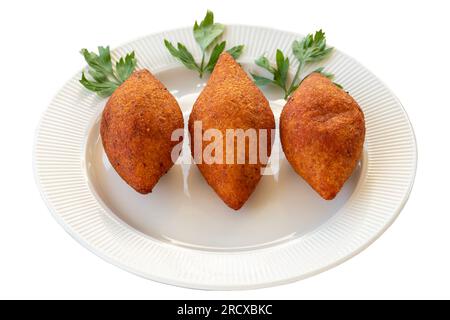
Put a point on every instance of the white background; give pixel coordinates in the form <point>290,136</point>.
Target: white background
<point>405,43</point>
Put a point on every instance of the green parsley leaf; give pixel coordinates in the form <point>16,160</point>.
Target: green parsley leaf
<point>104,79</point>
<point>218,49</point>
<point>279,71</point>
<point>280,76</point>
<point>261,81</point>
<point>264,63</point>
<point>311,48</point>
<point>236,51</point>
<point>98,76</point>
<point>182,54</point>
<point>208,31</point>
<point>100,63</point>
<point>103,89</point>
<point>125,66</point>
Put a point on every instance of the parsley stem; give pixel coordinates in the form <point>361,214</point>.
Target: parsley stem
<point>116,81</point>
<point>295,79</point>
<point>112,77</point>
<point>202,64</point>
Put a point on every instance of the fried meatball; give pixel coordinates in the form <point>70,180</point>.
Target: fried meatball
<point>231,100</point>
<point>322,132</point>
<point>136,128</point>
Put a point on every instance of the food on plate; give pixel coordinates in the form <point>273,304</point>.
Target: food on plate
<point>321,127</point>
<point>136,129</point>
<point>322,131</point>
<point>138,119</point>
<point>231,100</point>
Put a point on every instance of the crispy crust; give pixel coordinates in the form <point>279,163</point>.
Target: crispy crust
<point>231,100</point>
<point>136,128</point>
<point>322,132</point>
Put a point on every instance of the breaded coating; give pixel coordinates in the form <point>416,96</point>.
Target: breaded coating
<point>322,132</point>
<point>136,128</point>
<point>231,100</point>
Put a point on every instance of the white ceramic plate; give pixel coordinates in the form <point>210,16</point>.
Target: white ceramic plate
<point>182,233</point>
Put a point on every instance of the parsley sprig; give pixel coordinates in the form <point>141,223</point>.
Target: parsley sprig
<point>312,48</point>
<point>105,78</point>
<point>206,34</point>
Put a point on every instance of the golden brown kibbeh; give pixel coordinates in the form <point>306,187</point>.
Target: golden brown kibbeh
<point>322,132</point>
<point>231,100</point>
<point>136,128</point>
